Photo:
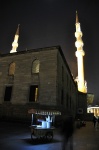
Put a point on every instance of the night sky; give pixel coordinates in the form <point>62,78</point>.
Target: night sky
<point>46,23</point>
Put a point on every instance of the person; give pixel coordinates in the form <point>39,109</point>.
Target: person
<point>67,130</point>
<point>98,119</point>
<point>94,121</point>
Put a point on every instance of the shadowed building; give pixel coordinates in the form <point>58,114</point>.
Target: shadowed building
<point>38,78</point>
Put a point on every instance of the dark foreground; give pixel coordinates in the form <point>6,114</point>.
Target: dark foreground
<point>17,136</point>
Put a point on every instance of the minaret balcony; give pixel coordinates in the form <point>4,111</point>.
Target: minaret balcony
<point>80,53</point>
<point>15,44</point>
<point>79,43</point>
<point>78,33</point>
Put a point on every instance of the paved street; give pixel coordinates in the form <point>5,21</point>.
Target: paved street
<point>16,136</point>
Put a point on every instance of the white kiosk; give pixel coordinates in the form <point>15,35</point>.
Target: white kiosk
<point>45,130</point>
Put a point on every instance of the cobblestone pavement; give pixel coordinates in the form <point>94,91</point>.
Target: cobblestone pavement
<point>16,136</point>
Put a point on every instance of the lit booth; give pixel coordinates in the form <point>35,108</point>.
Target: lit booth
<point>44,126</point>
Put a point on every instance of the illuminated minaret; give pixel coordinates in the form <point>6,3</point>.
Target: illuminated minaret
<point>15,42</point>
<point>82,87</point>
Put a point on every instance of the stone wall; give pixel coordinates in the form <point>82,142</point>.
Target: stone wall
<point>51,80</point>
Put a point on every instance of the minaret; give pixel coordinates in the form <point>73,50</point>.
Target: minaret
<point>82,87</point>
<point>15,42</point>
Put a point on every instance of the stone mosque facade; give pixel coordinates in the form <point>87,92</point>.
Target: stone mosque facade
<point>38,79</point>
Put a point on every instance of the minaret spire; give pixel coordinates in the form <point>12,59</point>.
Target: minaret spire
<point>15,42</point>
<point>82,87</point>
<point>17,31</point>
<point>77,17</point>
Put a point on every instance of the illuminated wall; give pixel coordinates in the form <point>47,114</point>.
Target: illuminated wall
<point>94,110</point>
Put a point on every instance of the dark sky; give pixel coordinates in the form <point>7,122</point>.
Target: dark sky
<point>45,23</point>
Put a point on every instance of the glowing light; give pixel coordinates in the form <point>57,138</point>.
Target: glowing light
<point>82,86</point>
<point>94,109</point>
<point>15,42</point>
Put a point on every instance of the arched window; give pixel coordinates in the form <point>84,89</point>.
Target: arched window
<point>35,66</point>
<point>11,69</point>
